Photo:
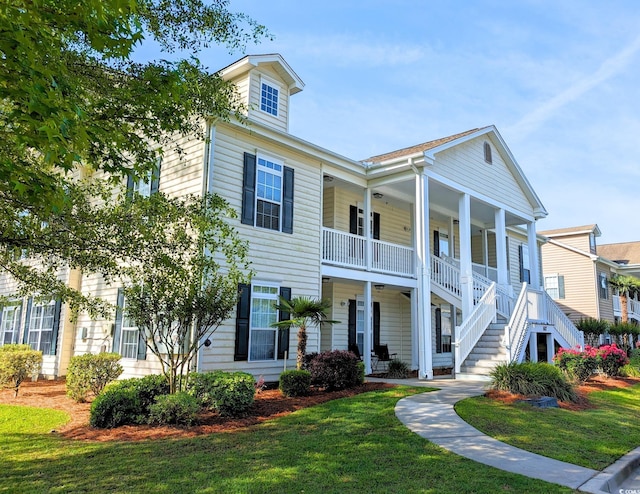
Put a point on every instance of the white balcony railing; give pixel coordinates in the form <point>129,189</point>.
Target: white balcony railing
<point>633,307</point>
<point>351,251</point>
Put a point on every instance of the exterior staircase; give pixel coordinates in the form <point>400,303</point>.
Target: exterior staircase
<point>488,352</point>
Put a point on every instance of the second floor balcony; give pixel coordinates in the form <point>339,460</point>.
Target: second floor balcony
<point>357,252</point>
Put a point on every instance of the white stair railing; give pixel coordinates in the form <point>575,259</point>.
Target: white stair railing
<point>472,328</point>
<point>564,326</point>
<point>516,331</point>
<point>504,299</point>
<point>446,275</point>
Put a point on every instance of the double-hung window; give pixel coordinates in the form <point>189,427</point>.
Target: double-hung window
<point>129,338</point>
<point>269,95</point>
<point>41,326</point>
<point>262,338</point>
<point>603,285</point>
<point>268,194</point>
<point>554,285</point>
<point>9,324</point>
<point>145,185</point>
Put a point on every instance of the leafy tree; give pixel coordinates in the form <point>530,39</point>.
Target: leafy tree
<point>303,312</point>
<point>184,282</point>
<point>17,362</point>
<point>73,101</point>
<point>625,285</point>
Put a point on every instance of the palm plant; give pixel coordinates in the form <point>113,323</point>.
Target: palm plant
<point>303,312</point>
<point>626,285</point>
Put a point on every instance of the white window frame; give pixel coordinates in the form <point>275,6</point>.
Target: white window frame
<point>603,286</point>
<point>41,314</point>
<point>257,327</point>
<point>11,315</point>
<point>360,325</point>
<point>552,286</point>
<point>273,169</point>
<point>129,335</point>
<point>142,186</point>
<point>268,105</point>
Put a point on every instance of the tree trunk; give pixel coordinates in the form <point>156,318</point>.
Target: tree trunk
<point>302,346</point>
<point>624,307</point>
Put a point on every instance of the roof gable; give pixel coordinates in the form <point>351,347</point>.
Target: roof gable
<point>274,60</point>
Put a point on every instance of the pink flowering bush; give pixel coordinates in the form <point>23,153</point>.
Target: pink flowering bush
<point>581,365</point>
<point>612,359</point>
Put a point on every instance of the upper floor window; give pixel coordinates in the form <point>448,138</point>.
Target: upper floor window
<point>145,185</point>
<point>267,194</point>
<point>525,266</point>
<point>592,243</point>
<point>554,285</point>
<point>269,99</point>
<point>603,286</point>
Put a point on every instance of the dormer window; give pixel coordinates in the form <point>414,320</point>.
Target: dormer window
<point>487,153</point>
<point>592,243</point>
<point>269,98</point>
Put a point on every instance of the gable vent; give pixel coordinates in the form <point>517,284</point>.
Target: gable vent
<point>487,153</point>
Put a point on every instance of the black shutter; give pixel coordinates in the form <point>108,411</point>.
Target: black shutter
<point>436,243</point>
<point>56,324</point>
<point>376,324</point>
<point>155,177</point>
<point>242,322</point>
<point>248,189</point>
<point>376,226</point>
<point>353,219</point>
<point>283,334</point>
<point>287,201</point>
<point>25,335</point>
<point>129,186</point>
<point>438,330</point>
<point>352,323</point>
<point>117,327</point>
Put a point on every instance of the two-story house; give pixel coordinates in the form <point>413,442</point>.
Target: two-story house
<point>431,249</point>
<point>577,271</point>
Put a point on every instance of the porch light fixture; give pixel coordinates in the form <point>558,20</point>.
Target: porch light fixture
<point>328,178</point>
<point>378,195</point>
<point>379,287</point>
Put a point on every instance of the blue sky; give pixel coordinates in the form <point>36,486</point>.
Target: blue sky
<point>559,79</point>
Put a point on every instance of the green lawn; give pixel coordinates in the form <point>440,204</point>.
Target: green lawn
<point>349,445</point>
<point>592,438</point>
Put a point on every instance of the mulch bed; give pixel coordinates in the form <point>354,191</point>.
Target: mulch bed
<point>597,383</point>
<point>268,404</point>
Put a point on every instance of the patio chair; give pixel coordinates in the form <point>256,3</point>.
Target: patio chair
<point>381,357</point>
<point>353,348</point>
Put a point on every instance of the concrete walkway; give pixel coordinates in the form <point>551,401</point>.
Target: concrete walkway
<point>431,415</point>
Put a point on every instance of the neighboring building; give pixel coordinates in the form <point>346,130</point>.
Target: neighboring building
<point>577,272</point>
<point>424,249</point>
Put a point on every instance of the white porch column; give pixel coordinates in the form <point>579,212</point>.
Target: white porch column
<point>368,327</point>
<point>367,228</point>
<point>423,292</point>
<point>466,268</point>
<point>501,248</point>
<point>533,347</point>
<point>534,266</point>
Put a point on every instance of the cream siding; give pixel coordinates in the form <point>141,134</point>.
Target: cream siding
<point>280,121</point>
<point>605,304</point>
<point>465,165</point>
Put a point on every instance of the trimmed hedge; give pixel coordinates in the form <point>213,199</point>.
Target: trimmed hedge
<point>17,362</point>
<point>335,370</point>
<point>91,373</point>
<point>127,402</point>
<point>179,409</point>
<point>295,383</point>
<point>231,394</point>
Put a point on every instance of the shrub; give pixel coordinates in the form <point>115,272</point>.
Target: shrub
<point>578,365</point>
<point>231,394</point>
<point>295,383</point>
<point>127,402</point>
<point>629,371</point>
<point>612,359</point>
<point>91,372</point>
<point>397,369</point>
<point>532,379</point>
<point>17,362</point>
<point>593,329</point>
<point>180,409</point>
<point>337,369</point>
